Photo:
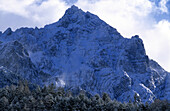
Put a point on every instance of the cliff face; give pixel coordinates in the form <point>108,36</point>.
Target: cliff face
<point>81,51</point>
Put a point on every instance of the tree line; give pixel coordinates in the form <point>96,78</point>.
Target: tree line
<point>49,98</point>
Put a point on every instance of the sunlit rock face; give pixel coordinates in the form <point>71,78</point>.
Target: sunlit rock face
<point>82,52</point>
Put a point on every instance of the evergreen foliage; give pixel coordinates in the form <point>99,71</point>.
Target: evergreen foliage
<point>21,98</point>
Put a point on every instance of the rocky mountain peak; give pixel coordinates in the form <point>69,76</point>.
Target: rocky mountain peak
<point>8,31</point>
<point>81,51</point>
<point>72,10</point>
<point>77,17</point>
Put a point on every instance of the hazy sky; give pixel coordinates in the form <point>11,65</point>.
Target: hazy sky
<point>150,19</point>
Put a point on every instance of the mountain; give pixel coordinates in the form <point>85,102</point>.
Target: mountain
<point>82,52</point>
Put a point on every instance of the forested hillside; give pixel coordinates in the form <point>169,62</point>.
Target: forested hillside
<point>21,98</point>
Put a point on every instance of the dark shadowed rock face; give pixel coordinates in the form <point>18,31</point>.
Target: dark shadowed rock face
<point>81,51</point>
<point>136,59</point>
<point>8,77</point>
<point>15,58</point>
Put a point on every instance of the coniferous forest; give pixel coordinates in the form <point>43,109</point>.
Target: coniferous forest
<point>21,98</point>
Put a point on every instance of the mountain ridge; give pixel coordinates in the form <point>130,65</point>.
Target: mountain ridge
<point>81,51</point>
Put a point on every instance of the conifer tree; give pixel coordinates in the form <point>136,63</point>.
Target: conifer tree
<point>106,98</point>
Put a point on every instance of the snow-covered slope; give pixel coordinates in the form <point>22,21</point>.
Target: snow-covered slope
<point>82,51</point>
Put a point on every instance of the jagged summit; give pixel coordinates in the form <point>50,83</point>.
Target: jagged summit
<point>8,31</point>
<point>77,18</point>
<point>75,14</point>
<point>72,10</point>
<point>83,52</point>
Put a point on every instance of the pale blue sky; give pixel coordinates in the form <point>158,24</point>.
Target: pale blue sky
<point>150,19</point>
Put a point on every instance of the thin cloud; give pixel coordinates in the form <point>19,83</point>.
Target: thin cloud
<point>39,13</point>
<point>163,7</point>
